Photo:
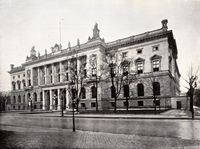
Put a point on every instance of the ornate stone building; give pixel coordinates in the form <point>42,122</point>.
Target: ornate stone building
<point>46,81</point>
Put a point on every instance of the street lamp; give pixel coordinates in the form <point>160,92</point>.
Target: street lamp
<point>30,103</point>
<point>125,66</point>
<point>62,98</point>
<point>112,75</point>
<point>73,103</point>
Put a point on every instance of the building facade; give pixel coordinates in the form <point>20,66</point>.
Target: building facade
<point>46,82</point>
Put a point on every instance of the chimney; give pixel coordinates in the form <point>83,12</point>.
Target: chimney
<point>11,66</point>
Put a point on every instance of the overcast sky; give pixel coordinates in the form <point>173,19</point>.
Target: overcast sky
<point>24,23</point>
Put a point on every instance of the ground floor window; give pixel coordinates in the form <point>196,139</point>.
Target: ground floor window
<point>93,104</point>
<point>125,103</point>
<point>40,106</point>
<point>140,103</point>
<point>35,106</point>
<point>112,104</point>
<point>18,107</point>
<point>13,107</point>
<point>83,105</point>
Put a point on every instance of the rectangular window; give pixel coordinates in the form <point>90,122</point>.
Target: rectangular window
<point>139,68</point>
<point>67,77</point>
<point>139,51</point>
<point>125,103</point>
<point>155,48</point>
<point>83,105</point>
<point>124,54</point>
<point>156,65</point>
<point>140,103</point>
<point>18,76</point>
<point>112,104</point>
<point>93,104</point>
<point>13,77</point>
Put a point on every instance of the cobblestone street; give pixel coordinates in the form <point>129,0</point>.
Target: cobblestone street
<point>26,131</point>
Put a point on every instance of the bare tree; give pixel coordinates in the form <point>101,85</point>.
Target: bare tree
<point>120,75</point>
<point>192,83</point>
<point>95,75</point>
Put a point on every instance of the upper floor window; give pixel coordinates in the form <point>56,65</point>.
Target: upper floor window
<point>13,77</point>
<point>83,93</point>
<point>156,59</point>
<point>139,51</point>
<point>94,91</point>
<point>140,67</point>
<point>14,99</point>
<point>124,54</point>
<point>19,85</point>
<point>156,65</point>
<point>18,76</point>
<point>13,85</point>
<point>155,48</point>
<point>24,75</point>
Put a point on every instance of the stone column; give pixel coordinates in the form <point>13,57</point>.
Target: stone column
<point>51,100</point>
<point>45,74</point>
<point>60,65</point>
<point>59,101</point>
<point>67,98</point>
<point>38,71</point>
<point>52,73</point>
<point>43,101</point>
<point>31,76</point>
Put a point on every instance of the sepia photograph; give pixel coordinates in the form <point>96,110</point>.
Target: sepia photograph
<point>100,74</point>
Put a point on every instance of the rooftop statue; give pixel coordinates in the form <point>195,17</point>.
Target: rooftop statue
<point>95,32</point>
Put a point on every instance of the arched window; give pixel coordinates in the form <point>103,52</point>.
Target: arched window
<point>13,85</point>
<point>94,92</point>
<point>156,88</point>
<point>126,90</point>
<point>29,96</point>
<point>41,97</point>
<point>24,98</point>
<point>140,89</point>
<point>19,99</point>
<point>83,93</point>
<point>14,99</point>
<point>19,84</point>
<point>35,96</point>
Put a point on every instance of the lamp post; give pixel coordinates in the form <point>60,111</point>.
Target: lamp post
<point>62,98</point>
<point>113,90</point>
<point>30,104</point>
<point>125,65</point>
<point>73,96</point>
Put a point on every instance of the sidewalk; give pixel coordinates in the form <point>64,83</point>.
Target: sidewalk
<point>170,114</point>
